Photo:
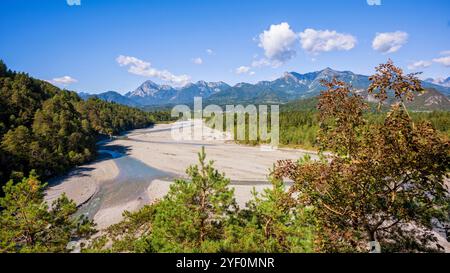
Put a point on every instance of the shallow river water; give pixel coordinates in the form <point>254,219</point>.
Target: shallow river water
<point>131,184</point>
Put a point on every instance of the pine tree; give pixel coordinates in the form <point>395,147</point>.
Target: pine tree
<point>272,223</point>
<point>28,224</point>
<point>191,218</point>
<point>3,69</point>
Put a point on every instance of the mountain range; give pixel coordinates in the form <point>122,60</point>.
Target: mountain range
<point>291,86</point>
<point>111,96</point>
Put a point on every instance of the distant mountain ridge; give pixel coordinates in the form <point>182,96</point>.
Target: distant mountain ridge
<point>431,99</point>
<point>111,96</point>
<point>150,93</point>
<point>291,86</point>
<point>440,82</point>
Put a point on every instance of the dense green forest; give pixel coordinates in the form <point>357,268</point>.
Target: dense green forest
<point>49,130</point>
<point>162,115</point>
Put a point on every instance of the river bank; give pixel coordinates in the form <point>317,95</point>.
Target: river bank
<point>82,183</point>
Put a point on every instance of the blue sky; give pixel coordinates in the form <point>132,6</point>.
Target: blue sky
<point>116,45</point>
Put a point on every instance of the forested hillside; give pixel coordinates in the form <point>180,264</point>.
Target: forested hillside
<point>50,130</point>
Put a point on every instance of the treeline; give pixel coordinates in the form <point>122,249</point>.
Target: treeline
<point>162,116</point>
<point>299,128</point>
<point>49,130</point>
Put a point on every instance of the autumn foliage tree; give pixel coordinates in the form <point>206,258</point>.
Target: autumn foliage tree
<point>382,182</point>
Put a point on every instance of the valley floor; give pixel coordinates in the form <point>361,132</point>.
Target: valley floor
<point>112,183</point>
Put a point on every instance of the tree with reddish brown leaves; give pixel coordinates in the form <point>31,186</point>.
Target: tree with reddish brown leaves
<point>381,183</point>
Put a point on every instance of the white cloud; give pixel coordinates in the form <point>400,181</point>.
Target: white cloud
<point>210,51</point>
<point>197,60</point>
<point>443,60</point>
<point>142,68</point>
<point>374,2</point>
<point>419,64</point>
<point>278,43</point>
<point>73,2</point>
<point>66,80</point>
<point>445,52</point>
<point>252,73</point>
<point>389,42</point>
<point>242,70</point>
<point>261,62</point>
<point>316,41</point>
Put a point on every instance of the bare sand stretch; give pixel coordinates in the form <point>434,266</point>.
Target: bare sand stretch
<point>240,163</point>
<point>82,183</point>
